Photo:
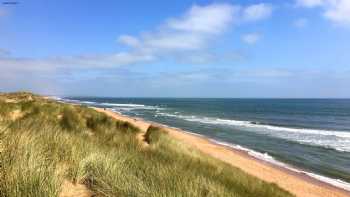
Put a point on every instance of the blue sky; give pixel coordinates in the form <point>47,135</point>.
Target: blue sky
<point>292,48</point>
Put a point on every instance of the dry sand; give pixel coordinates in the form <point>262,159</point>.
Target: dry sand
<point>298,184</point>
<point>74,190</point>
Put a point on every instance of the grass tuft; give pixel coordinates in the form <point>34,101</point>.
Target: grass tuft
<point>70,119</point>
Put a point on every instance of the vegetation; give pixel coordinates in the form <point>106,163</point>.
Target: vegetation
<point>44,143</point>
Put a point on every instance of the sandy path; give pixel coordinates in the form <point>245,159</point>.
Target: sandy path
<point>74,190</point>
<point>296,183</point>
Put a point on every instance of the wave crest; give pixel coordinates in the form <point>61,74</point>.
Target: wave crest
<point>338,140</point>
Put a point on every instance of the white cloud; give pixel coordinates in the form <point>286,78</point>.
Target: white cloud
<point>129,40</point>
<point>211,19</point>
<point>310,3</point>
<point>257,12</point>
<point>186,37</point>
<point>25,64</point>
<point>192,31</point>
<point>175,42</point>
<point>251,38</point>
<point>109,60</point>
<point>337,11</point>
<point>196,29</point>
<point>301,22</point>
<point>77,62</point>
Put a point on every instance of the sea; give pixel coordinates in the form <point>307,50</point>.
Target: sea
<point>310,136</point>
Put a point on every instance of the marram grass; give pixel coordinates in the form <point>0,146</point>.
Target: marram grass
<point>44,143</point>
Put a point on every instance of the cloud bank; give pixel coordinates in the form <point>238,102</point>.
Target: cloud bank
<point>194,31</point>
<point>187,36</point>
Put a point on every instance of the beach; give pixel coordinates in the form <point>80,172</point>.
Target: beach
<point>51,148</point>
<point>175,98</point>
<point>296,183</point>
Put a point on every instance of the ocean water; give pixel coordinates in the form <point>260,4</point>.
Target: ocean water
<point>308,135</point>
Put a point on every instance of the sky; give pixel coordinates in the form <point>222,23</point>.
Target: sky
<point>183,48</point>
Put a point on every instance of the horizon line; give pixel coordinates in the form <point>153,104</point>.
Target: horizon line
<point>184,97</point>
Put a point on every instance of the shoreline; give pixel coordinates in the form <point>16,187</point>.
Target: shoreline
<point>296,181</point>
<point>245,153</point>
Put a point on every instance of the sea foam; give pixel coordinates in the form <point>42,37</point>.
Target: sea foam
<point>338,140</point>
<point>266,157</point>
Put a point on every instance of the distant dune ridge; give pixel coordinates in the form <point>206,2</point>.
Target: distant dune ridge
<point>48,148</point>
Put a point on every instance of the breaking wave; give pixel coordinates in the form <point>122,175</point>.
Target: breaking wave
<point>338,140</point>
<point>266,157</point>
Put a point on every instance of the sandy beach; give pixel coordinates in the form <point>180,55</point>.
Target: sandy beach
<point>298,184</point>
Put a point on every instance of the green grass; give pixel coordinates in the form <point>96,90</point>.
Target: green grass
<point>52,142</point>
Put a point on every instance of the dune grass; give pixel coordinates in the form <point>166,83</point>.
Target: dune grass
<point>52,142</point>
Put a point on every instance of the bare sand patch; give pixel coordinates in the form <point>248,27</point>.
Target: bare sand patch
<point>70,189</point>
